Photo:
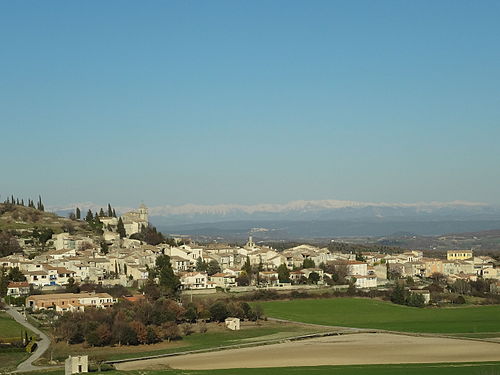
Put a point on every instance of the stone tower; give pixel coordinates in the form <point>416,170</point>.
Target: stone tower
<point>143,212</point>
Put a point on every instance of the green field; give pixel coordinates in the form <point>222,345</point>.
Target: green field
<point>370,313</point>
<point>10,330</point>
<point>485,368</point>
<point>10,358</point>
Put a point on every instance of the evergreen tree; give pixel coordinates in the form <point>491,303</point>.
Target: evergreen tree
<point>101,213</point>
<point>213,267</point>
<point>40,204</point>
<point>22,202</point>
<point>201,265</point>
<point>104,247</point>
<point>90,217</point>
<point>308,263</point>
<point>110,211</point>
<point>114,213</point>
<point>78,214</point>
<point>398,295</point>
<point>247,267</point>
<point>283,273</point>
<point>120,228</point>
<point>168,281</point>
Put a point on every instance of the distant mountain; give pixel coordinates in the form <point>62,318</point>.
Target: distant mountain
<point>321,218</point>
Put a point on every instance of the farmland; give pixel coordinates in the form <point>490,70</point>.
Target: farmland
<point>400,369</point>
<point>370,313</point>
<point>10,330</point>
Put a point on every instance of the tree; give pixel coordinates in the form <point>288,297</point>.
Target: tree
<point>16,275</point>
<point>415,300</point>
<point>461,286</point>
<point>247,267</point>
<point>213,267</point>
<point>120,228</point>
<point>103,331</point>
<point>308,263</point>
<point>283,273</point>
<point>78,213</point>
<point>170,331</point>
<point>360,257</point>
<point>40,205</point>
<point>398,295</point>
<point>243,279</point>
<point>101,213</point>
<point>72,286</point>
<point>99,359</point>
<point>140,330</point>
<point>151,236</point>
<point>218,311</point>
<point>438,278</point>
<point>89,217</point>
<point>341,270</point>
<point>201,265</point>
<point>151,290</point>
<point>110,210</point>
<point>8,244</point>
<point>169,282</point>
<point>313,278</point>
<point>4,282</point>
<point>104,247</point>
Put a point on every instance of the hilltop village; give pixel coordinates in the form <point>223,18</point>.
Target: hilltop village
<point>119,255</point>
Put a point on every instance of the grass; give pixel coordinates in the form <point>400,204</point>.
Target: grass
<point>484,368</point>
<point>370,313</point>
<point>10,358</point>
<point>10,330</point>
<point>215,337</point>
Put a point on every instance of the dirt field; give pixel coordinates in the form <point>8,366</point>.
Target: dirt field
<point>366,348</point>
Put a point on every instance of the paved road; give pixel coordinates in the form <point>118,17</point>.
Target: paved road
<point>43,343</point>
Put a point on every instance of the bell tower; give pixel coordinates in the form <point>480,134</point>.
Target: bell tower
<point>143,212</point>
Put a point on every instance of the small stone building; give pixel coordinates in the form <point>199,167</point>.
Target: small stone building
<point>233,324</point>
<point>76,364</point>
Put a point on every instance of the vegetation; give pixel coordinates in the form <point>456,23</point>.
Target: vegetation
<point>11,357</point>
<point>370,313</point>
<point>402,297</point>
<point>10,330</point>
<point>481,368</point>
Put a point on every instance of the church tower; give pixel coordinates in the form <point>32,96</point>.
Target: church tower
<point>143,213</point>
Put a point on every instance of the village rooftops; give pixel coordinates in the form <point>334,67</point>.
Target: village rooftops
<point>42,297</point>
<point>18,284</point>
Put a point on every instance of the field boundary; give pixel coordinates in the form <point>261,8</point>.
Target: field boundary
<point>375,330</point>
<point>245,345</point>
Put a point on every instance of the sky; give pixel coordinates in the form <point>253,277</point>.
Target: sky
<point>246,102</point>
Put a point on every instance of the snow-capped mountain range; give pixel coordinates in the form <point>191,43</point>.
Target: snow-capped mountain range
<point>315,218</point>
<point>304,209</point>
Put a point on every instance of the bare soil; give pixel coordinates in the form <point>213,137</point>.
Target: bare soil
<point>363,348</point>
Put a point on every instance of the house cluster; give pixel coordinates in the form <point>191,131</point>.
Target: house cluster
<point>126,260</point>
<point>267,260</point>
<point>69,301</point>
<point>459,264</point>
<point>82,259</point>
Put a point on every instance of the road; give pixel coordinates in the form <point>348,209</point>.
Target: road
<point>43,343</point>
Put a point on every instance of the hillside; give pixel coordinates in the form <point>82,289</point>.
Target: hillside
<point>20,219</point>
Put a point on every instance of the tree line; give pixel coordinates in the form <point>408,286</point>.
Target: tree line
<point>30,203</point>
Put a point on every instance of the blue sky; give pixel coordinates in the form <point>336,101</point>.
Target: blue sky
<point>215,102</point>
